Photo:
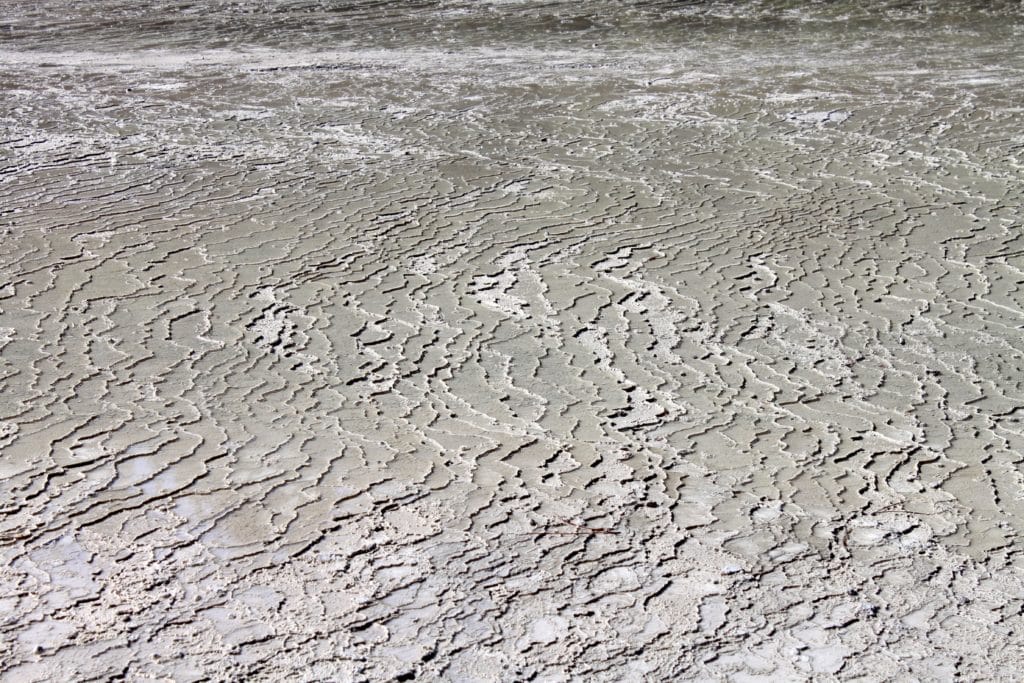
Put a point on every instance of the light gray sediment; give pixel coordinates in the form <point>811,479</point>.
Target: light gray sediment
<point>455,349</point>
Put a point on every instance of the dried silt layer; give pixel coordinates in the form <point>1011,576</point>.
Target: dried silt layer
<point>511,341</point>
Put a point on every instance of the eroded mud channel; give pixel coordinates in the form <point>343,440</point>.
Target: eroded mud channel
<point>511,341</point>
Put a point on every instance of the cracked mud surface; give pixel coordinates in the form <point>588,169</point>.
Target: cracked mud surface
<point>511,341</point>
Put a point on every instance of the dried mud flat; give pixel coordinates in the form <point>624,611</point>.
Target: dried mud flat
<point>511,341</point>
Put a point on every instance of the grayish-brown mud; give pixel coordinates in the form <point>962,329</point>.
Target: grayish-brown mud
<point>511,341</point>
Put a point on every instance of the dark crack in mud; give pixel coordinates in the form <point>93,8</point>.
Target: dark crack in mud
<point>511,341</point>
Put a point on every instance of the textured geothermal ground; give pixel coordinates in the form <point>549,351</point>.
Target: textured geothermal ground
<point>505,342</point>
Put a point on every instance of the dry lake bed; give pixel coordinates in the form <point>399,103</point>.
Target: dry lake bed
<point>511,341</point>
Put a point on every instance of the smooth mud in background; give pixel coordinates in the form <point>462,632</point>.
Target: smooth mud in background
<point>511,341</point>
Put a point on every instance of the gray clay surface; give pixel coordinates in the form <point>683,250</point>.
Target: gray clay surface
<point>511,341</point>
